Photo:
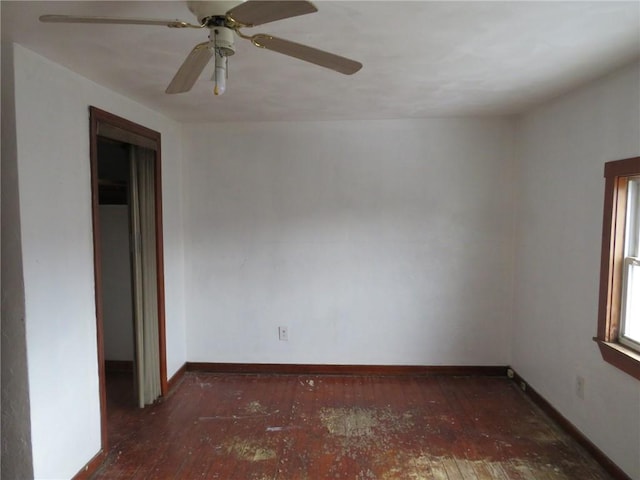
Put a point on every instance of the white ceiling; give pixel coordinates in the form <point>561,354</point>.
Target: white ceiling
<point>421,58</point>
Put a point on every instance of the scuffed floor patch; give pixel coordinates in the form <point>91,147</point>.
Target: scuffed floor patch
<point>349,422</point>
<point>249,450</point>
<point>255,408</point>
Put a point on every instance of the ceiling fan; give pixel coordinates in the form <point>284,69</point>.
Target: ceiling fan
<point>223,19</point>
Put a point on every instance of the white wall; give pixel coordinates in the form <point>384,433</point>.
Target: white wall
<point>379,242</point>
<point>15,458</point>
<point>117,309</point>
<point>562,150</point>
<point>55,210</point>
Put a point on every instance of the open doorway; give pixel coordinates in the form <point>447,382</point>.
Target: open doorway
<point>129,281</point>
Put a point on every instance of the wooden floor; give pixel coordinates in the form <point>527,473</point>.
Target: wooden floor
<point>266,427</point>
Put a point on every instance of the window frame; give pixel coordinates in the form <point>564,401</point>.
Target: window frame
<point>621,355</point>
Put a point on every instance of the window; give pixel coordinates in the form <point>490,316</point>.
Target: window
<point>619,309</point>
<point>630,311</point>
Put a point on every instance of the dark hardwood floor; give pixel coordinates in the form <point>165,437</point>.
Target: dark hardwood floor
<point>293,427</point>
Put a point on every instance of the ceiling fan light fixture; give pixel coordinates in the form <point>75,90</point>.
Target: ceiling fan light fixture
<point>222,44</point>
<point>220,75</point>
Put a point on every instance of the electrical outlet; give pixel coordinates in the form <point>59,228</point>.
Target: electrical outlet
<point>283,334</point>
<point>580,387</point>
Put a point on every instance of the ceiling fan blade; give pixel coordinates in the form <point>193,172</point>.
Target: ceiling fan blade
<point>115,21</point>
<point>259,12</point>
<point>306,53</point>
<point>190,69</point>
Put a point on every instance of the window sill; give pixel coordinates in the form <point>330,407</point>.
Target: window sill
<point>620,357</point>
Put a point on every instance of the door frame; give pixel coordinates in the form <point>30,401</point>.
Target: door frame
<point>108,125</point>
